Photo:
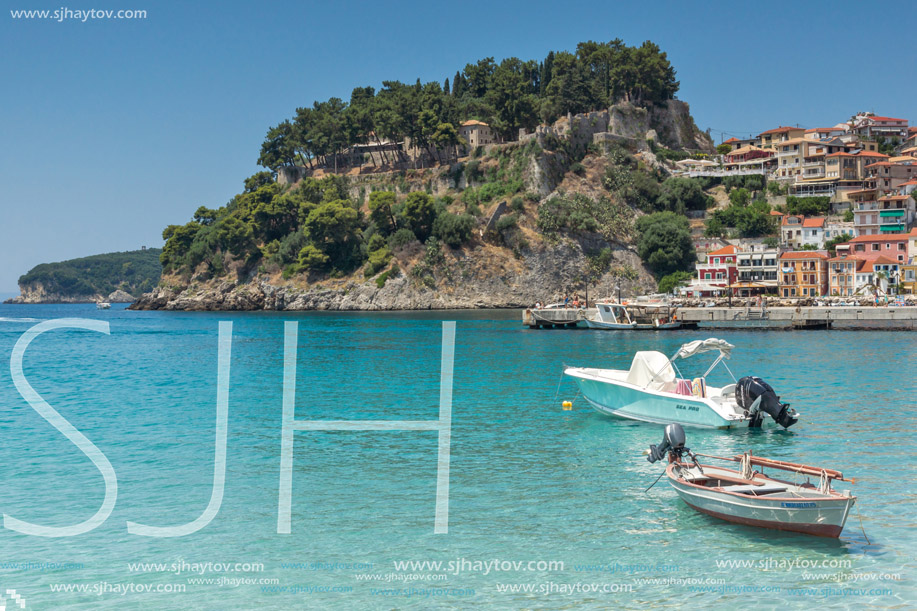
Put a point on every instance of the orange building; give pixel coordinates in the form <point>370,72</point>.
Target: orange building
<point>803,273</point>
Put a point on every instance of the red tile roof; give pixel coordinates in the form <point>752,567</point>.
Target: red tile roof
<point>725,250</point>
<point>883,260</point>
<point>780,130</point>
<point>818,221</point>
<point>885,119</point>
<point>731,140</point>
<point>893,198</point>
<point>876,237</point>
<point>805,254</point>
<point>871,154</point>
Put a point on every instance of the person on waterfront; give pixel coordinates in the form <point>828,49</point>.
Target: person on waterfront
<point>575,301</point>
<point>566,300</point>
<point>537,305</point>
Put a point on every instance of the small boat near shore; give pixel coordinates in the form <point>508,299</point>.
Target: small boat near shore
<point>653,390</point>
<point>619,317</point>
<point>103,305</point>
<point>749,496</point>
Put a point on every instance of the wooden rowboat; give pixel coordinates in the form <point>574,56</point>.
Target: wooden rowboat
<point>749,496</point>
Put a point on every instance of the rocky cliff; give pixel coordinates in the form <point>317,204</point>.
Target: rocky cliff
<point>481,277</point>
<point>38,293</point>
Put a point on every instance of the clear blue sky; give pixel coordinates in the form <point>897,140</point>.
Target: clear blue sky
<point>113,129</point>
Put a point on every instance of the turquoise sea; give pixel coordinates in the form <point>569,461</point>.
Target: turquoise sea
<point>547,508</point>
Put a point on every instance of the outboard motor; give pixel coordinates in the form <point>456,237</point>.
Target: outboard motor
<point>672,441</point>
<point>757,398</point>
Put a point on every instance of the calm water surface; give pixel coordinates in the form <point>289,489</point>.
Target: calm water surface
<point>529,482</point>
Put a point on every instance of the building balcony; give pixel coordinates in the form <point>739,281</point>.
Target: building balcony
<point>867,206</point>
<point>893,212</point>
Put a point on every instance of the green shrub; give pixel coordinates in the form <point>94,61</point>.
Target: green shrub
<point>375,242</point>
<point>453,229</point>
<point>669,282</point>
<point>380,281</point>
<point>506,222</point>
<point>401,238</point>
<point>517,204</point>
<point>377,260</point>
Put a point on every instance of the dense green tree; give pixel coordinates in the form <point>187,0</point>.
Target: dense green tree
<point>453,229</point>
<point>714,228</point>
<point>664,243</point>
<point>477,76</point>
<point>278,149</point>
<point>332,223</point>
<point>419,214</point>
<point>831,244</point>
<point>808,206</point>
<point>512,96</point>
<point>669,282</point>
<point>569,89</point>
<point>258,180</point>
<point>739,197</point>
<point>683,194</point>
<point>381,205</point>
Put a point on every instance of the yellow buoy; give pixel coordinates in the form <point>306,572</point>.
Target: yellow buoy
<point>567,405</point>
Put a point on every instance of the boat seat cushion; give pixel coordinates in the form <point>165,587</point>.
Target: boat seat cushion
<point>762,489</point>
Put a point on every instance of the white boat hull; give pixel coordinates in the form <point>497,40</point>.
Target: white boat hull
<point>617,398</point>
<point>610,326</point>
<point>797,509</point>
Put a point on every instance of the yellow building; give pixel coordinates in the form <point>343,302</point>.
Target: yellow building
<point>772,137</point>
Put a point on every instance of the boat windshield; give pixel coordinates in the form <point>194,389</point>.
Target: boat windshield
<point>705,345</point>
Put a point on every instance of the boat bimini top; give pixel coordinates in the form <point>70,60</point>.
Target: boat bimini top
<point>653,369</point>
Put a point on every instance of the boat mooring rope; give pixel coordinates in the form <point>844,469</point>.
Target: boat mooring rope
<point>654,483</point>
<point>862,530</point>
<point>559,382</point>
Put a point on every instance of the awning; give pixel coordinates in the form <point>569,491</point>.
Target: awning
<point>704,345</point>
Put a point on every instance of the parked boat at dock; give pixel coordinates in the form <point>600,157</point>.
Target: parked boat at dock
<point>653,390</point>
<point>751,497</point>
<point>620,317</point>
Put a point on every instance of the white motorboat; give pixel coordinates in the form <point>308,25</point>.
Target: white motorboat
<point>750,497</point>
<point>611,316</point>
<point>103,305</point>
<point>620,316</point>
<point>653,390</point>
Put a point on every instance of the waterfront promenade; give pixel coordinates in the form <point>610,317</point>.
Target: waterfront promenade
<point>802,317</point>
